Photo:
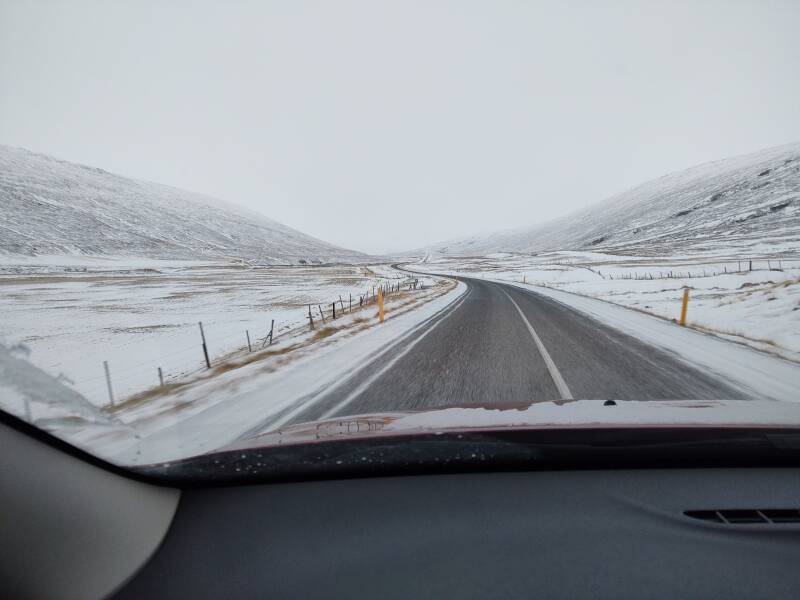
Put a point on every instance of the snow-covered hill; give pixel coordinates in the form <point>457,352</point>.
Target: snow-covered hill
<point>750,203</point>
<point>53,207</point>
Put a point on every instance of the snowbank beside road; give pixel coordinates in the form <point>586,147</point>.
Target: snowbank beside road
<point>47,402</point>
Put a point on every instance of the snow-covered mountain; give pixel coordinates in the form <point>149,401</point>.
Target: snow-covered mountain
<point>53,207</point>
<point>749,202</point>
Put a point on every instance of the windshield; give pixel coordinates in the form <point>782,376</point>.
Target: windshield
<point>230,227</point>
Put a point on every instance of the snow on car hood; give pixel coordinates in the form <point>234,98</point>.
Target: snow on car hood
<point>540,415</point>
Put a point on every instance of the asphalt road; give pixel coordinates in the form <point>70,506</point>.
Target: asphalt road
<point>484,350</point>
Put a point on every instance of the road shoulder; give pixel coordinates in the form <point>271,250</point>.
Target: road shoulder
<point>762,375</point>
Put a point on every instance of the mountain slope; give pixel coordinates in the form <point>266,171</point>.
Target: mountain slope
<point>739,202</point>
<point>51,206</point>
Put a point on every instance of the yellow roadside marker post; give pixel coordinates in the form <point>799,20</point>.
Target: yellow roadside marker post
<point>380,304</point>
<point>684,306</point>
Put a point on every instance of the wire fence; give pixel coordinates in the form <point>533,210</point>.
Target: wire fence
<point>741,266</point>
<point>117,382</point>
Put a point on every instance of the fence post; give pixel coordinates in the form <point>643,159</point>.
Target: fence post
<point>271,329</point>
<point>249,347</point>
<point>321,314</point>
<point>310,318</point>
<point>205,348</point>
<point>160,376</point>
<point>350,305</point>
<point>380,305</point>
<point>340,302</point>
<point>684,306</point>
<point>108,382</point>
<point>333,306</point>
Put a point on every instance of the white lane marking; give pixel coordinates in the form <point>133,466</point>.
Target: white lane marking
<point>368,382</point>
<point>558,380</point>
<point>317,397</point>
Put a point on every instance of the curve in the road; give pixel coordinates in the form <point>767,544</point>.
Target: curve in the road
<point>501,345</point>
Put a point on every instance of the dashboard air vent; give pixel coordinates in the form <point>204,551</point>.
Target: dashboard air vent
<point>747,516</point>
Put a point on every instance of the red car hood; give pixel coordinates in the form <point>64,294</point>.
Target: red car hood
<point>541,415</point>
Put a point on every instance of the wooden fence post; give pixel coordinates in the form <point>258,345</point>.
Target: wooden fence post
<point>108,382</point>
<point>205,348</point>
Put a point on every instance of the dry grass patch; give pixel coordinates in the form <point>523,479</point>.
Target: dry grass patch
<point>141,398</point>
<point>323,332</point>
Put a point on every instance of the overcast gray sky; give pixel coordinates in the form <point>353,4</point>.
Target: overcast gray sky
<point>389,125</point>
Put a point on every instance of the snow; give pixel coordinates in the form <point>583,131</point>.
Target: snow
<point>249,393</point>
<point>729,203</point>
<point>592,413</point>
<point>577,414</point>
<point>138,319</point>
<point>95,267</point>
<point>141,315</point>
<point>32,395</point>
<point>52,207</point>
<point>49,263</point>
